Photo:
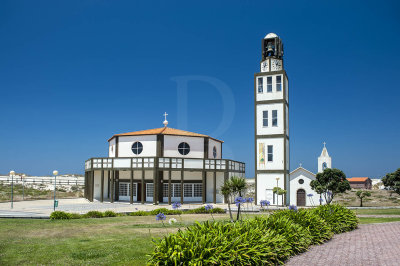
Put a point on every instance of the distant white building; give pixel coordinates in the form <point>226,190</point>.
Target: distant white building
<point>301,193</point>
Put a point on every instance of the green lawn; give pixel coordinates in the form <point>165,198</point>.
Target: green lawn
<point>373,220</point>
<point>378,211</point>
<point>117,240</point>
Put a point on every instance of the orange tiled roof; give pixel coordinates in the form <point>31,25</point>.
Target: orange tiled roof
<point>164,131</point>
<point>357,179</point>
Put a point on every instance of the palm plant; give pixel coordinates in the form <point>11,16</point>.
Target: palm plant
<point>239,186</point>
<point>226,190</point>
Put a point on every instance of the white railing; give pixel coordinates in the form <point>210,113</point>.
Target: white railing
<point>164,163</point>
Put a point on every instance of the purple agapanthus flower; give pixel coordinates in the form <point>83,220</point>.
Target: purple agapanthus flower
<point>293,208</point>
<point>264,203</point>
<point>249,200</point>
<point>208,207</point>
<point>160,217</point>
<point>176,205</point>
<point>239,200</point>
<point>310,195</point>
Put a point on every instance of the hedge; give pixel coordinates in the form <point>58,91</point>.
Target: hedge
<point>265,240</point>
<point>59,215</point>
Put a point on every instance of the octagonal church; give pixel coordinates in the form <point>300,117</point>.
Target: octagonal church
<point>161,165</point>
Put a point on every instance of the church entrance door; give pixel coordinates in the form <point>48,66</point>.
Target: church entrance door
<point>301,197</point>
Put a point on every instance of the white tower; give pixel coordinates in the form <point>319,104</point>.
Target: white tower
<point>271,123</point>
<point>324,160</point>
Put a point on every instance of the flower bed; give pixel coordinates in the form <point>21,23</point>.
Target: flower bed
<point>259,241</point>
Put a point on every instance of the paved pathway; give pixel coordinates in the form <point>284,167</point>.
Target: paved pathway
<point>371,244</point>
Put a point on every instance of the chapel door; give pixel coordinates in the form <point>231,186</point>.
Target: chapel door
<point>301,197</point>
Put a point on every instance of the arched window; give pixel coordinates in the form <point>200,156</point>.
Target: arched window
<point>324,166</point>
<point>137,147</point>
<point>215,152</point>
<point>183,148</point>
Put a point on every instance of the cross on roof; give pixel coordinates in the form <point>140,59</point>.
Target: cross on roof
<point>324,144</point>
<point>301,164</point>
<point>165,121</point>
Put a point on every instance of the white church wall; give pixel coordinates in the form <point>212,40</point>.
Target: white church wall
<point>261,130</point>
<point>171,146</point>
<point>97,185</point>
<point>149,143</point>
<point>278,154</point>
<point>274,95</point>
<point>220,182</point>
<point>175,175</point>
<point>209,187</point>
<point>287,88</point>
<point>148,175</point>
<point>192,175</point>
<point>265,184</point>
<point>111,148</point>
<point>218,145</point>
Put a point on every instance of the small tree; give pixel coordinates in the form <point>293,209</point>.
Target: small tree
<point>226,190</point>
<point>238,188</point>
<point>280,192</point>
<point>361,194</point>
<point>392,181</point>
<point>329,183</point>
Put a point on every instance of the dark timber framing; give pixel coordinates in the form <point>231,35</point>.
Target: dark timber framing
<point>160,175</point>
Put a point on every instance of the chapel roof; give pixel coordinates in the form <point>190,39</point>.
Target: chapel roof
<point>303,169</point>
<point>357,179</point>
<point>164,131</point>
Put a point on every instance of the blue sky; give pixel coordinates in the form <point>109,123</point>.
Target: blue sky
<point>74,73</point>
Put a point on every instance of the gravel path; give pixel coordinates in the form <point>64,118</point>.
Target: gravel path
<point>371,244</point>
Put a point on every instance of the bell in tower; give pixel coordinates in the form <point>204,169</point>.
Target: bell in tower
<point>272,46</point>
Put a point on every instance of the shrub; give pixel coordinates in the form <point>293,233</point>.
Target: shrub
<point>297,236</point>
<point>165,211</point>
<point>339,218</point>
<point>93,214</point>
<point>246,243</point>
<point>139,213</point>
<point>203,210</point>
<point>60,215</point>
<point>110,214</point>
<point>75,215</point>
<point>319,229</point>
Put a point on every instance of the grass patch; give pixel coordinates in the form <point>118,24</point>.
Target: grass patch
<point>393,211</point>
<point>373,220</point>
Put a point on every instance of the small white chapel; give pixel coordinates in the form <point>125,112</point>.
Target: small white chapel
<point>301,193</point>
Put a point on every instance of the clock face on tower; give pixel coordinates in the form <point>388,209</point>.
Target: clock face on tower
<point>276,64</point>
<point>264,66</point>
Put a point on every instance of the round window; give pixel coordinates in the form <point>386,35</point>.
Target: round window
<point>215,152</point>
<point>137,147</point>
<point>183,148</point>
<point>301,181</point>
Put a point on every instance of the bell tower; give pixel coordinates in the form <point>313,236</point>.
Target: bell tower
<point>271,108</point>
<point>324,160</point>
